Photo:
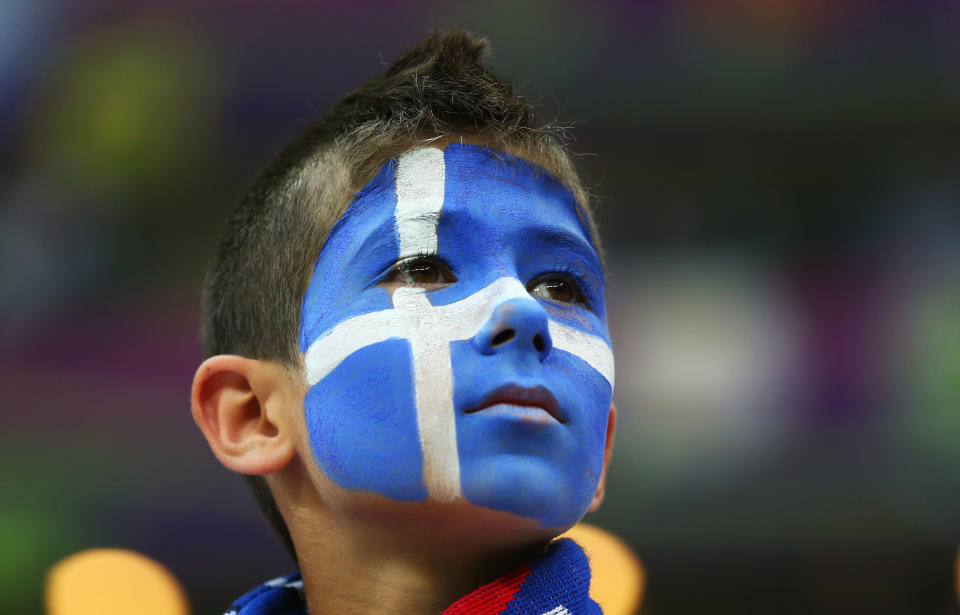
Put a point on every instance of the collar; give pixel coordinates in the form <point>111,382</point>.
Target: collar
<point>556,583</point>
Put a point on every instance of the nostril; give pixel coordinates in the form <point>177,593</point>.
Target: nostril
<point>538,343</point>
<point>503,337</point>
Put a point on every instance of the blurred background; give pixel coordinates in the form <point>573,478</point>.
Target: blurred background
<point>780,189</point>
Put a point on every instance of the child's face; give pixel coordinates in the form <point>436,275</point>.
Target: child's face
<point>456,339</point>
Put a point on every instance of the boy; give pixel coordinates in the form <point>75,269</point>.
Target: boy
<point>408,351</point>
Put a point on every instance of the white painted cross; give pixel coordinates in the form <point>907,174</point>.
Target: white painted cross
<point>430,329</point>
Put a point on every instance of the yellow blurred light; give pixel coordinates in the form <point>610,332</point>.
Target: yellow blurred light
<point>113,582</point>
<point>618,577</point>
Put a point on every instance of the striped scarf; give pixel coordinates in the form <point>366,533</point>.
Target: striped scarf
<point>557,583</point>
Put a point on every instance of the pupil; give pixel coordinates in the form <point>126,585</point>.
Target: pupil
<point>559,290</point>
<point>422,273</point>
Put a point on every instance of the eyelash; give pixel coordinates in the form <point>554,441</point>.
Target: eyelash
<point>570,275</point>
<point>564,272</point>
<point>406,265</point>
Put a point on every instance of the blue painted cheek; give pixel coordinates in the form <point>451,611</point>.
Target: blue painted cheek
<point>362,423</point>
<point>546,472</point>
<point>322,314</point>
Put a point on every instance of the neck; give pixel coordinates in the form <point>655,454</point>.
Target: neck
<point>367,554</point>
<point>354,574</point>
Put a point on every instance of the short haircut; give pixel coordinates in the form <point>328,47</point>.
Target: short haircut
<point>258,276</point>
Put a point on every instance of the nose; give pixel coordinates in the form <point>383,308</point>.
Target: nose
<point>518,324</point>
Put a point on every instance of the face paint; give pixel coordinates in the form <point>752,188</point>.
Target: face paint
<point>437,392</point>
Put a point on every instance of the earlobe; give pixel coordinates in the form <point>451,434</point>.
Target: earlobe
<point>236,403</point>
<point>607,453</point>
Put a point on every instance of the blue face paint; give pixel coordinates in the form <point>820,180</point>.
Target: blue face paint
<point>419,393</point>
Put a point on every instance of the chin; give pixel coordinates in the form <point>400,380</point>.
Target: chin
<point>529,487</point>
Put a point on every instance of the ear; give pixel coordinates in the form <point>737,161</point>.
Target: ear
<point>607,453</point>
<point>238,405</point>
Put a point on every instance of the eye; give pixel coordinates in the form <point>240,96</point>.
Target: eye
<point>421,271</point>
<point>558,289</point>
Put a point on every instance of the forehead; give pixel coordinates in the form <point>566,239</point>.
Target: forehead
<point>491,183</point>
<point>473,186</point>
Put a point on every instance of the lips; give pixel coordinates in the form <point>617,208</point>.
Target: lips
<point>515,395</point>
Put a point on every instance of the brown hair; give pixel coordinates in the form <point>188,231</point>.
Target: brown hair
<point>259,273</point>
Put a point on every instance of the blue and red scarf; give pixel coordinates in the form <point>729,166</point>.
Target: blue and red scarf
<point>557,583</point>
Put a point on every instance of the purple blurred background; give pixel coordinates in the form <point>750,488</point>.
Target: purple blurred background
<point>780,203</point>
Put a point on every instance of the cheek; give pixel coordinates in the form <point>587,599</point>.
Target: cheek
<point>588,395</point>
<point>362,423</point>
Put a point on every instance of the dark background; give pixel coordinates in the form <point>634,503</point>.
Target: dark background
<point>779,186</point>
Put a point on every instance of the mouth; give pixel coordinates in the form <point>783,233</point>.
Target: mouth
<point>523,401</point>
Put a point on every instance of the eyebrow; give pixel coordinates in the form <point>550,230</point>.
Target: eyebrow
<point>562,237</point>
<point>545,233</point>
<point>364,250</point>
